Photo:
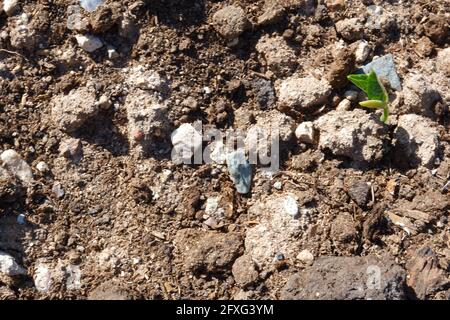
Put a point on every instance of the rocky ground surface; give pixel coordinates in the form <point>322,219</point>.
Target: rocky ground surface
<point>92,206</point>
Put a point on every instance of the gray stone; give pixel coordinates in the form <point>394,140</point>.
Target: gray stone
<point>359,191</point>
<point>384,67</point>
<point>75,19</point>
<point>302,93</point>
<point>9,266</point>
<point>283,220</point>
<point>71,111</point>
<point>419,94</point>
<point>58,190</point>
<point>71,149</point>
<point>355,134</point>
<point>348,278</point>
<point>17,166</point>
<point>240,171</point>
<point>88,43</point>
<point>443,61</point>
<point>416,139</point>
<point>147,121</point>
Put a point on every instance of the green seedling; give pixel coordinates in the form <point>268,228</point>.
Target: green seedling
<point>375,91</point>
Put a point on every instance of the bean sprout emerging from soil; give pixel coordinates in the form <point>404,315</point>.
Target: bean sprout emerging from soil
<point>375,91</point>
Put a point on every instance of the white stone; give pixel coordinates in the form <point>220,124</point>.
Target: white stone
<point>10,6</point>
<point>73,281</point>
<point>147,121</point>
<point>16,165</point>
<point>362,51</point>
<point>420,94</point>
<point>355,134</point>
<point>88,43</point>
<point>277,185</point>
<point>217,152</point>
<point>305,256</point>
<point>186,142</point>
<point>212,206</point>
<point>278,231</point>
<point>42,167</point>
<point>112,53</point>
<point>291,206</point>
<point>417,138</point>
<point>305,132</point>
<point>42,278</point>
<point>9,266</point>
<point>443,61</point>
<point>302,93</point>
<point>70,111</point>
<point>344,105</point>
<point>104,102</point>
<point>146,79</point>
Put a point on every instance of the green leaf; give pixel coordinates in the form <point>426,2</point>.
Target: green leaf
<point>375,91</point>
<point>359,80</point>
<point>371,85</point>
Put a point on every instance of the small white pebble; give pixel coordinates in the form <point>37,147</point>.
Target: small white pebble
<point>305,132</point>
<point>305,256</point>
<point>112,53</point>
<point>10,6</point>
<point>291,206</point>
<point>104,102</point>
<point>88,43</point>
<point>277,185</point>
<point>207,90</point>
<point>42,167</point>
<point>344,105</point>
<point>362,51</point>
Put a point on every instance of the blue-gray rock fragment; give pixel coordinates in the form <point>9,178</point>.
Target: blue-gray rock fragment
<point>90,5</point>
<point>240,171</point>
<point>384,67</point>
